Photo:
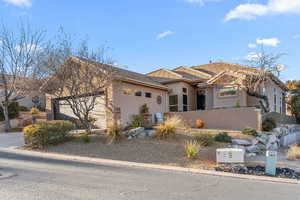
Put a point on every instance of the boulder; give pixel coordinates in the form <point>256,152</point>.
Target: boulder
<point>241,142</point>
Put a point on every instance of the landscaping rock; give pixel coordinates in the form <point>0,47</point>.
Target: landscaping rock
<point>259,170</point>
<point>132,133</point>
<point>241,142</point>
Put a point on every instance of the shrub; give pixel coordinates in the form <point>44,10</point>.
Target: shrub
<point>137,121</point>
<point>23,109</point>
<point>85,138</point>
<point>268,125</point>
<point>34,111</point>
<point>41,134</point>
<point>168,127</point>
<point>250,131</point>
<point>192,148</point>
<point>205,139</point>
<point>144,109</point>
<point>293,152</point>
<point>13,111</point>
<point>223,137</point>
<point>114,132</point>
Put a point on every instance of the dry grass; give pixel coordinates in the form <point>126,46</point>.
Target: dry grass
<point>192,149</point>
<point>293,152</point>
<point>114,132</point>
<point>168,127</point>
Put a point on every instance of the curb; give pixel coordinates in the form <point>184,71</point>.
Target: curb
<point>5,175</point>
<point>146,165</point>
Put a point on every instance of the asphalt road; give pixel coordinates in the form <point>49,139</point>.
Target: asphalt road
<point>44,179</point>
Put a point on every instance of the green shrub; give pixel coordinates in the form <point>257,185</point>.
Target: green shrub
<point>23,109</point>
<point>34,111</point>
<point>85,138</point>
<point>13,111</point>
<point>204,139</point>
<point>223,137</point>
<point>192,149</point>
<point>250,131</point>
<point>268,125</point>
<point>137,121</point>
<point>41,134</point>
<point>144,109</point>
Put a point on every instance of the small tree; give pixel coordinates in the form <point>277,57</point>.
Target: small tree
<point>78,76</point>
<point>265,66</point>
<point>294,102</point>
<point>18,69</point>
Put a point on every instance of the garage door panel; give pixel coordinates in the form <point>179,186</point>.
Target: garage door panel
<point>98,113</point>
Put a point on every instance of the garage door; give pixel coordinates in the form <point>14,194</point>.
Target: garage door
<point>65,112</point>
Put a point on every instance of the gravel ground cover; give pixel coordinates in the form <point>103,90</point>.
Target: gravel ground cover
<point>150,150</point>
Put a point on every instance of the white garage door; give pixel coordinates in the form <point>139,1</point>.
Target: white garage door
<point>98,113</point>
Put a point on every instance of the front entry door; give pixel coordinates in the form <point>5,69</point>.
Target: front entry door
<point>201,100</point>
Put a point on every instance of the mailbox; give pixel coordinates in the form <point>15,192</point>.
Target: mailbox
<point>271,160</point>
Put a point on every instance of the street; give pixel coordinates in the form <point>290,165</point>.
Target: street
<point>39,178</point>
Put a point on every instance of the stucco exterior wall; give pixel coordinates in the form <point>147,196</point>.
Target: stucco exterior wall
<point>227,119</point>
<point>231,101</point>
<point>129,104</point>
<point>176,89</point>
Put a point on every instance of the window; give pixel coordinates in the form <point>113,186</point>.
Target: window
<point>275,100</point>
<point>228,92</point>
<point>185,102</point>
<point>127,91</point>
<point>184,90</point>
<point>138,94</point>
<point>173,103</point>
<point>148,95</point>
<point>280,105</point>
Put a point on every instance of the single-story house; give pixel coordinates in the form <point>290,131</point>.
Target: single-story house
<point>183,89</point>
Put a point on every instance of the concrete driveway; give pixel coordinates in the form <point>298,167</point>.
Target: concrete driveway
<point>11,140</point>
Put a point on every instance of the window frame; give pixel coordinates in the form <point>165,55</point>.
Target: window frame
<point>173,105</point>
<point>150,95</point>
<point>138,92</point>
<point>228,87</point>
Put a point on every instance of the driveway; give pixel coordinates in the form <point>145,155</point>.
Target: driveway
<point>11,140</point>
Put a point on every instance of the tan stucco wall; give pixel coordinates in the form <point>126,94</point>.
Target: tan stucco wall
<point>219,102</point>
<point>176,89</point>
<point>130,104</point>
<point>228,119</point>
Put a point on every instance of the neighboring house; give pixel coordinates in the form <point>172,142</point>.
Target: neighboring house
<point>203,87</point>
<point>34,99</point>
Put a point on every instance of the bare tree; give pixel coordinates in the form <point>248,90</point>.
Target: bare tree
<point>78,76</point>
<point>18,51</point>
<point>265,66</point>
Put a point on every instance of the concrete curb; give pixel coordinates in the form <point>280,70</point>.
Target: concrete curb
<point>146,165</point>
<point>5,175</point>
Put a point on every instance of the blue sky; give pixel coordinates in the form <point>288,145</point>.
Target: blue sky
<point>146,35</point>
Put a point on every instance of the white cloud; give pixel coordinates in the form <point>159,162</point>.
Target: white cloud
<point>201,2</point>
<point>164,34</point>
<point>297,36</point>
<point>20,3</point>
<point>268,41</point>
<point>253,56</point>
<point>251,45</point>
<point>251,11</point>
